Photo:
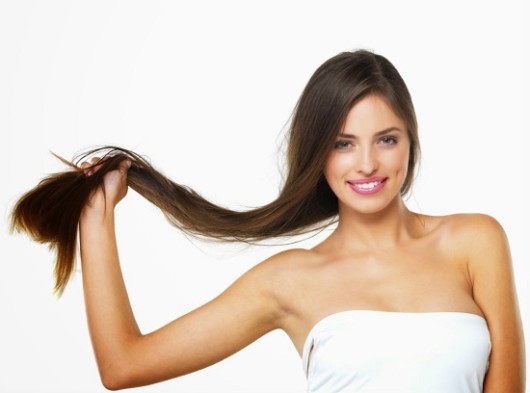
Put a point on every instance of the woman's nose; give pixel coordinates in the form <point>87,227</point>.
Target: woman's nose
<point>366,162</point>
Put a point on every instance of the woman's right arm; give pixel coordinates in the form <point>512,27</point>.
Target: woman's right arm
<point>244,312</point>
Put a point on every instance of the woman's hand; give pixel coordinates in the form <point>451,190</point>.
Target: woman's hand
<point>114,185</point>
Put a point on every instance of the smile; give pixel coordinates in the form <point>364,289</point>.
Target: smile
<point>367,186</point>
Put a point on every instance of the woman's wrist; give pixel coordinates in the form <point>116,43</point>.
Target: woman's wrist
<point>96,214</point>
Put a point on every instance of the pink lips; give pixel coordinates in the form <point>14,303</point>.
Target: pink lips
<point>367,186</point>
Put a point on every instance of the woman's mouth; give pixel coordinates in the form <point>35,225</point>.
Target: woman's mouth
<point>368,186</point>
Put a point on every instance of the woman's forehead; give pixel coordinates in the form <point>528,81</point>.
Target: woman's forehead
<point>370,115</point>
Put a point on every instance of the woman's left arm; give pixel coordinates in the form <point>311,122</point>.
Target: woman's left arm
<point>491,272</point>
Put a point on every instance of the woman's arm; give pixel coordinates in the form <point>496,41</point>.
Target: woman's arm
<point>494,291</point>
<point>126,357</point>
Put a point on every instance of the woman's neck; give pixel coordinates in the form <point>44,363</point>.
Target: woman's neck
<point>385,229</point>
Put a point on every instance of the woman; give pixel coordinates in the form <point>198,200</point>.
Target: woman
<point>391,301</point>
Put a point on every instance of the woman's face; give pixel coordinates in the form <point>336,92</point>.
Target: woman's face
<point>369,161</point>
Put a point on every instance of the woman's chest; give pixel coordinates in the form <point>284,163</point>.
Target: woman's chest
<point>400,282</point>
<point>414,280</point>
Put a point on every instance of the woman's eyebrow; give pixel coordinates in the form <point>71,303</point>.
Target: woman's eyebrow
<point>378,133</point>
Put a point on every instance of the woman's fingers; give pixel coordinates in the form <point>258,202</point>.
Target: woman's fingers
<point>94,164</point>
<point>124,166</point>
<point>91,166</point>
<point>86,168</point>
<point>114,183</point>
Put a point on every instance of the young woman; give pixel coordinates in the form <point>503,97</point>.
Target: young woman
<point>391,301</point>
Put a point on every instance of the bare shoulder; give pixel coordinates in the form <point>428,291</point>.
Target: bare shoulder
<point>285,263</point>
<point>472,231</point>
<point>270,278</point>
<point>281,275</point>
<point>479,239</point>
<point>475,223</point>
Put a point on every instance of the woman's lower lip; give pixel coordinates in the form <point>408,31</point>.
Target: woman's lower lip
<point>368,191</point>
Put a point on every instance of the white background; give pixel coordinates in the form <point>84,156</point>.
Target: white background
<point>204,89</point>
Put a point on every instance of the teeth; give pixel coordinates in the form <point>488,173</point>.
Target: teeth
<point>367,186</point>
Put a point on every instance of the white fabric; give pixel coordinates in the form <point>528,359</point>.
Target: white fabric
<point>394,352</point>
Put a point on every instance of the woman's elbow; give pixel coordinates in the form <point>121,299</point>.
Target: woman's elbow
<point>111,385</point>
<point>116,376</point>
<point>114,381</point>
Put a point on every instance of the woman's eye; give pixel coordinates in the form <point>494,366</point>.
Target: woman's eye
<point>342,144</point>
<point>388,140</point>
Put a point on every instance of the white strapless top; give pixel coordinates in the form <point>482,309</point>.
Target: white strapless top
<point>395,352</point>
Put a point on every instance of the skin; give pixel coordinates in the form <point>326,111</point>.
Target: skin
<point>381,257</point>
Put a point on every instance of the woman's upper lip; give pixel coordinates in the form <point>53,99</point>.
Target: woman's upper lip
<point>368,180</point>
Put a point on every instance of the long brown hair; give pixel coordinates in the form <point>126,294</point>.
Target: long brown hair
<point>50,212</point>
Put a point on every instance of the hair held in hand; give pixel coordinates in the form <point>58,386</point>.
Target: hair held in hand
<point>50,212</point>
